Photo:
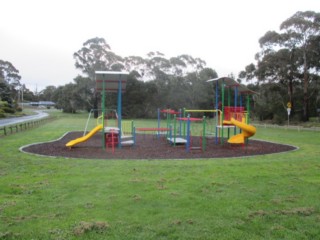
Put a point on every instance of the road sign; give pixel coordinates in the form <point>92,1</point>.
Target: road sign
<point>289,105</point>
<point>288,110</point>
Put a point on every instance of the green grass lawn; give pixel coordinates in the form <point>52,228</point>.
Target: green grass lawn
<point>263,197</point>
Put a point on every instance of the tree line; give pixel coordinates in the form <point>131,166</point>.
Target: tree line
<point>286,70</point>
<point>288,64</point>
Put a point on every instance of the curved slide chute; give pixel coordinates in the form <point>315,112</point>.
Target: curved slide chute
<point>247,131</point>
<point>84,138</point>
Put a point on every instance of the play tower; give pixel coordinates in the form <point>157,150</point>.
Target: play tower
<point>232,114</point>
<point>106,82</point>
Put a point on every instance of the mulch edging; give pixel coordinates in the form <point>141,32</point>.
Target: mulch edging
<point>149,147</point>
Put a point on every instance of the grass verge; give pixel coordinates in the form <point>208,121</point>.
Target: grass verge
<point>264,197</point>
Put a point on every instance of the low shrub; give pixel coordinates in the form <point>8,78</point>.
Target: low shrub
<point>8,110</point>
<point>2,115</point>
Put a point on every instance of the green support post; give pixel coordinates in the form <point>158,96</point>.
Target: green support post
<point>229,104</point>
<point>248,109</point>
<point>103,107</point>
<point>168,120</point>
<point>204,144</point>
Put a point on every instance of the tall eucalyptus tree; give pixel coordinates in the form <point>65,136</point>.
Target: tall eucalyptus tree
<point>291,57</point>
<point>96,55</point>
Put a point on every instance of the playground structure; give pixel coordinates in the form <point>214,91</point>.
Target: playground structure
<point>227,116</point>
<point>179,128</point>
<point>190,145</point>
<point>233,116</point>
<point>247,131</point>
<point>85,137</point>
<point>112,136</point>
<point>159,131</point>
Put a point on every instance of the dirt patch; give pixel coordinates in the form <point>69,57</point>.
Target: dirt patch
<point>149,147</point>
<point>85,227</point>
<point>302,211</point>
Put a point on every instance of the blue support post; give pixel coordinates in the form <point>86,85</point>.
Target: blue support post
<point>174,129</point>
<point>236,96</point>
<point>235,104</point>
<point>159,116</point>
<point>248,109</point>
<point>222,111</point>
<point>217,94</point>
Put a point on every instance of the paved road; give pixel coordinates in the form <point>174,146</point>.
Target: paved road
<point>11,121</point>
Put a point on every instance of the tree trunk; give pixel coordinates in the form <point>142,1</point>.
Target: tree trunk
<point>305,116</point>
<point>290,85</point>
<point>95,106</point>
<point>290,93</point>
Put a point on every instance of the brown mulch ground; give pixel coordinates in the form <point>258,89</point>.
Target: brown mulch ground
<point>149,147</point>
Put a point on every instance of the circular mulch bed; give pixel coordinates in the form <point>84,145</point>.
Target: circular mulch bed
<point>149,147</point>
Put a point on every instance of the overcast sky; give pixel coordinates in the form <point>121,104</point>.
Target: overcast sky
<point>39,37</point>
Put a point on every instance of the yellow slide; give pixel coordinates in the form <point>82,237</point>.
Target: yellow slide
<point>247,131</point>
<point>84,138</point>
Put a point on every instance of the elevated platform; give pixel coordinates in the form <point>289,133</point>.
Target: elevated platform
<point>177,140</point>
<point>226,126</point>
<point>111,129</point>
<point>127,143</point>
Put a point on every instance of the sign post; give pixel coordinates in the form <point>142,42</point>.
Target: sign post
<point>288,110</point>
